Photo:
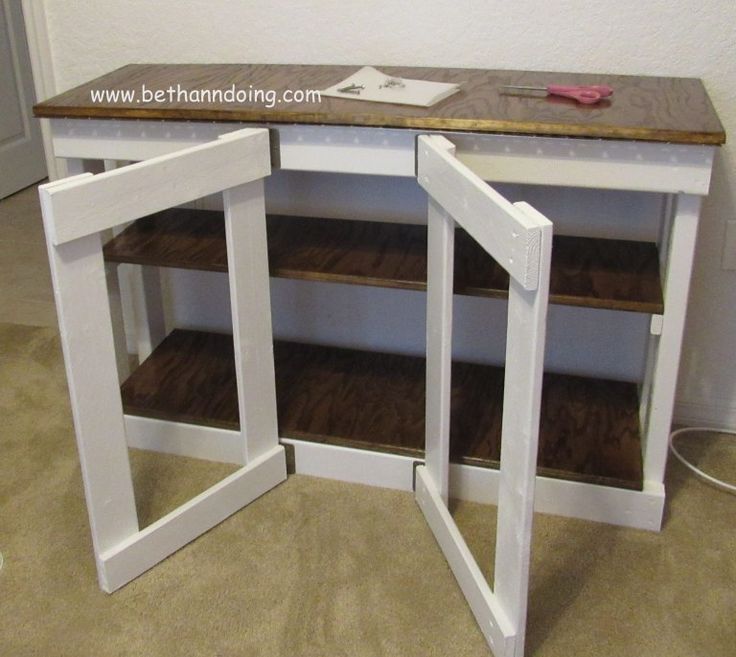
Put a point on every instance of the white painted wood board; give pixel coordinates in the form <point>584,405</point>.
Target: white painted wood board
<point>105,201</point>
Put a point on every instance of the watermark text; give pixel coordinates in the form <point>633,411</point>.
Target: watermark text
<point>269,98</point>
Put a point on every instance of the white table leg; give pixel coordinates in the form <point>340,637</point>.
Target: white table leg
<point>679,260</point>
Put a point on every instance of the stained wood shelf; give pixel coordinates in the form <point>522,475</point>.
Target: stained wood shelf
<point>673,110</point>
<point>596,273</point>
<point>589,427</point>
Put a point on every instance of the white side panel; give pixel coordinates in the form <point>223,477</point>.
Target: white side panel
<point>146,548</point>
<point>106,201</point>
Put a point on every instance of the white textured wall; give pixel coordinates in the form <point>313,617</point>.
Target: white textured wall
<point>657,37</point>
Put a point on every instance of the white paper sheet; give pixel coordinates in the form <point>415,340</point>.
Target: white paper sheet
<point>422,93</point>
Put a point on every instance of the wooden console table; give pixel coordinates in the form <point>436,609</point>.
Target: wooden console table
<point>655,134</point>
<point>358,415</point>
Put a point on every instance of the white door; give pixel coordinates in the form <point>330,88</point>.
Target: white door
<point>75,211</point>
<point>520,240</point>
<point>21,149</point>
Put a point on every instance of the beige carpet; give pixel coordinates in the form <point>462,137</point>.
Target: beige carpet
<point>322,568</point>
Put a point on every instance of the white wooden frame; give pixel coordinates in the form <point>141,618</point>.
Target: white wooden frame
<point>679,172</point>
<point>520,240</point>
<point>75,211</point>
<point>572,162</point>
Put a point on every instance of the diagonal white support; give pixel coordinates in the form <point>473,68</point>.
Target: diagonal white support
<point>144,549</point>
<point>507,234</point>
<point>489,613</point>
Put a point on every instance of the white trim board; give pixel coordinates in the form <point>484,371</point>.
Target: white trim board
<point>586,163</point>
<point>618,506</point>
<point>718,413</point>
<point>178,438</point>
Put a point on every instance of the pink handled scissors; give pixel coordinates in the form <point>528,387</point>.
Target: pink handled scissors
<point>588,94</point>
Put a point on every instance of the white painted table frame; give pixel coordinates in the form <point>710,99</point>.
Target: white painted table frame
<point>76,210</point>
<point>681,173</point>
<point>520,240</point>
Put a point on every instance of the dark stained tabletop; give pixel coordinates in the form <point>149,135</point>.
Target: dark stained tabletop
<point>660,109</point>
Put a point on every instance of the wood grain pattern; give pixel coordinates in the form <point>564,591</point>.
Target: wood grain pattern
<point>674,110</point>
<point>589,429</point>
<point>589,272</point>
<point>595,273</point>
<point>189,377</point>
<point>344,251</point>
<point>185,239</point>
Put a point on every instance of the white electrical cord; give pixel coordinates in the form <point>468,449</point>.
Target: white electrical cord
<point>705,477</point>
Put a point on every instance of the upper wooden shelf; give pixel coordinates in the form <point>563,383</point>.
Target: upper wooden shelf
<point>598,273</point>
<point>674,110</point>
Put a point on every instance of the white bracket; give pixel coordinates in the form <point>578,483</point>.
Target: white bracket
<point>655,326</point>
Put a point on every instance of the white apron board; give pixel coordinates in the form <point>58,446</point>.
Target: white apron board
<point>520,240</point>
<point>76,211</point>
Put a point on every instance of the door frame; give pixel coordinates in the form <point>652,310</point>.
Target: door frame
<point>520,240</point>
<point>76,211</point>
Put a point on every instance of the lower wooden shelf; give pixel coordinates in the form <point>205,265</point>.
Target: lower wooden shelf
<point>375,401</point>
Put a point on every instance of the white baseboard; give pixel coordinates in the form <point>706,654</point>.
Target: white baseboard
<point>717,413</point>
